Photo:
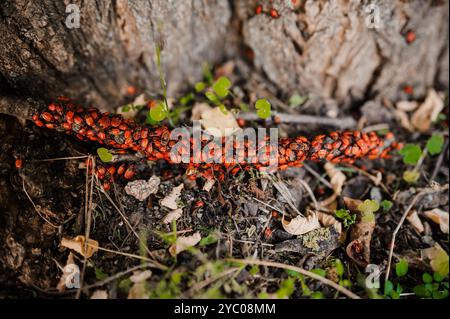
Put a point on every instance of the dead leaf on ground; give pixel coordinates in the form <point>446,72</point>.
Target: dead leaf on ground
<point>329,220</point>
<point>407,106</point>
<point>404,120</point>
<point>337,180</point>
<point>99,294</point>
<point>300,224</point>
<point>209,184</point>
<point>173,215</point>
<point>170,201</point>
<point>440,217</point>
<point>428,111</point>
<point>414,220</point>
<point>438,259</point>
<point>216,122</point>
<point>141,276</point>
<point>67,271</point>
<point>141,189</point>
<point>360,235</point>
<point>184,242</point>
<point>79,244</point>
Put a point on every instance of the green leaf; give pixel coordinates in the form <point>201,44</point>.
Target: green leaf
<point>401,268</point>
<point>317,295</point>
<point>386,205</point>
<point>421,291</point>
<point>427,278</point>
<point>319,271</point>
<point>347,218</point>
<point>440,263</point>
<point>221,87</point>
<point>264,108</point>
<point>104,154</point>
<point>435,144</point>
<point>100,274</point>
<point>440,294</point>
<point>186,99</point>
<point>159,112</point>
<point>411,177</point>
<point>339,267</point>
<point>212,97</point>
<point>411,153</point>
<point>437,277</point>
<point>208,240</point>
<point>388,288</point>
<point>126,108</point>
<point>223,108</point>
<point>297,100</point>
<point>199,86</point>
<point>367,208</point>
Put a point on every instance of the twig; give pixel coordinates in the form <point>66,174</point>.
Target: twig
<point>439,162</point>
<point>394,235</point>
<point>197,287</point>
<point>317,175</point>
<point>343,122</point>
<point>305,272</point>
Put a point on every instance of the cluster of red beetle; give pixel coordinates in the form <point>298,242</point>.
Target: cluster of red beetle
<point>89,124</point>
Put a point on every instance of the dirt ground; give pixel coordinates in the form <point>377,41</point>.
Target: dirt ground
<point>50,198</point>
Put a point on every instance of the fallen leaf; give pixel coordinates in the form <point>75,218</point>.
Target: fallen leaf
<point>438,258</point>
<point>440,217</point>
<point>407,106</point>
<point>79,244</point>
<point>329,220</point>
<point>360,237</point>
<point>173,215</point>
<point>184,242</point>
<point>216,123</point>
<point>170,201</point>
<point>337,180</point>
<point>404,120</point>
<point>428,111</point>
<point>67,272</point>
<point>141,189</point>
<point>99,294</point>
<point>300,224</point>
<point>414,220</point>
<point>209,184</point>
<point>140,276</point>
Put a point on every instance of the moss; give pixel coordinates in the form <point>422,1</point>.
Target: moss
<point>312,239</point>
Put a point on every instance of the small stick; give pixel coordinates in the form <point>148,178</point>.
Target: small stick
<point>439,162</point>
<point>344,122</point>
<point>394,235</point>
<point>305,272</point>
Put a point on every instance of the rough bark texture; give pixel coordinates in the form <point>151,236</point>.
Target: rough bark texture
<point>327,50</point>
<point>112,49</point>
<point>321,48</point>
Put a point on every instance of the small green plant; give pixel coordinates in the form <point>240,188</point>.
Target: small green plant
<point>368,208</point>
<point>390,292</point>
<point>345,216</point>
<point>401,268</point>
<point>435,144</point>
<point>386,205</point>
<point>263,108</point>
<point>104,154</point>
<point>297,100</point>
<point>433,287</point>
<point>411,153</point>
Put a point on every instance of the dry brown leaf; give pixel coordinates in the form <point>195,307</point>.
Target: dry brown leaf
<point>440,217</point>
<point>198,110</point>
<point>428,111</point>
<point>141,276</point>
<point>79,244</point>
<point>173,215</point>
<point>406,106</point>
<point>360,237</point>
<point>99,294</point>
<point>170,201</point>
<point>141,189</point>
<point>438,259</point>
<point>337,180</point>
<point>414,220</point>
<point>139,291</point>
<point>329,220</point>
<point>62,283</point>
<point>352,204</point>
<point>404,120</point>
<point>216,123</point>
<point>300,224</point>
<point>184,242</point>
<point>209,184</point>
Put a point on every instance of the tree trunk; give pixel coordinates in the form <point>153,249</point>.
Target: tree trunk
<point>336,52</point>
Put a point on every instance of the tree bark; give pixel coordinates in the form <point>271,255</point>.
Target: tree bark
<point>324,49</point>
